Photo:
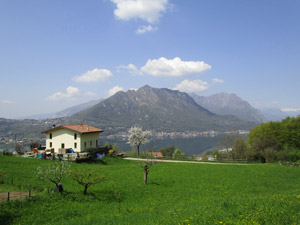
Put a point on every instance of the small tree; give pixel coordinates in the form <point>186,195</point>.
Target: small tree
<point>19,149</point>
<point>147,165</point>
<point>138,137</point>
<point>53,173</point>
<point>87,179</point>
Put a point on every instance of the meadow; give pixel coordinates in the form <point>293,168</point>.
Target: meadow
<point>175,194</point>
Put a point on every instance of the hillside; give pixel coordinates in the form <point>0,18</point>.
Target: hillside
<point>157,109</point>
<point>230,104</point>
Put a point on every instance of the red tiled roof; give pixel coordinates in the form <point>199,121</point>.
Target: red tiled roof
<point>157,154</point>
<point>81,128</point>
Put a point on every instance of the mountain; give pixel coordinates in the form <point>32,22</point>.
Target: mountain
<point>157,109</point>
<point>276,114</point>
<point>64,113</point>
<point>230,104</point>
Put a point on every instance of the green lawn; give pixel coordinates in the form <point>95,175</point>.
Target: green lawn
<point>176,194</point>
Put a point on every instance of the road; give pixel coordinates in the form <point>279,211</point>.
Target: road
<point>177,161</point>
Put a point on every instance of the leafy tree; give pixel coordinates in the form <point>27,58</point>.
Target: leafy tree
<point>167,151</point>
<point>53,173</point>
<point>138,137</point>
<point>269,154</point>
<point>239,149</point>
<point>87,179</point>
<point>178,154</point>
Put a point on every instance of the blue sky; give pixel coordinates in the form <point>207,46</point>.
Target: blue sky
<point>59,53</point>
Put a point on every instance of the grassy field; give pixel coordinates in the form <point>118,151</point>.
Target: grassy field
<point>176,194</point>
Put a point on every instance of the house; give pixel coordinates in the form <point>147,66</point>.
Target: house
<point>157,155</point>
<point>76,137</point>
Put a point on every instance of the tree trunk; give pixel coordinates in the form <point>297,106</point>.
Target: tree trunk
<point>138,148</point>
<point>85,189</point>
<point>145,174</point>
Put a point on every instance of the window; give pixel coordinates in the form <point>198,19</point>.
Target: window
<point>75,145</point>
<point>91,143</point>
<point>75,136</point>
<point>50,135</point>
<point>62,145</point>
<point>97,143</point>
<point>50,144</point>
<point>85,144</point>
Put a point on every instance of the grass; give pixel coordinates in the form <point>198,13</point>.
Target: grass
<point>176,194</point>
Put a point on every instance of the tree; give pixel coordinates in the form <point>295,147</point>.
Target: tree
<point>168,151</point>
<point>239,149</point>
<point>20,149</point>
<point>138,137</point>
<point>178,154</point>
<point>53,173</point>
<point>147,165</point>
<point>34,145</point>
<point>87,179</point>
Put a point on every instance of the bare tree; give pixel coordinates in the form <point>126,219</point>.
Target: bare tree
<point>54,173</point>
<point>87,179</point>
<point>138,137</point>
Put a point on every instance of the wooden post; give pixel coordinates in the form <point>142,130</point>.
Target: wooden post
<point>8,196</point>
<point>145,174</point>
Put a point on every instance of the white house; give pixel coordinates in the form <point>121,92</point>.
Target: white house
<point>78,137</point>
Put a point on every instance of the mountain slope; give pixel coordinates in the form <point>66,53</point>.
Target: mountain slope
<point>157,109</point>
<point>66,112</point>
<point>230,104</point>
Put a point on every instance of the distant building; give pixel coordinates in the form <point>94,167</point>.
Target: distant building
<point>76,137</point>
<point>157,155</point>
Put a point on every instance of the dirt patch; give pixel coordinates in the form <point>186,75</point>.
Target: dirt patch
<point>13,196</point>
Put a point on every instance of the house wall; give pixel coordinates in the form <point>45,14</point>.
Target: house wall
<point>89,140</point>
<point>66,137</point>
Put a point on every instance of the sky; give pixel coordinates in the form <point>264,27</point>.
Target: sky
<point>58,53</point>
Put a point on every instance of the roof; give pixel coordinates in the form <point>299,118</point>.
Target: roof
<point>157,154</point>
<point>81,128</point>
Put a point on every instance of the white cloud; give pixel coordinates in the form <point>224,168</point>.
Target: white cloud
<point>90,94</point>
<point>173,67</point>
<point>95,75</point>
<point>114,90</point>
<point>7,102</point>
<point>144,29</point>
<point>216,80</point>
<point>132,69</point>
<point>191,86</point>
<point>148,10</point>
<point>290,110</point>
<point>70,93</point>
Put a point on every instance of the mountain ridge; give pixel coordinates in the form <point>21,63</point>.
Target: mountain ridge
<point>229,104</point>
<point>160,109</point>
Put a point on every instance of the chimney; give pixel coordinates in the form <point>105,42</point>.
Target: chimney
<point>87,127</point>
